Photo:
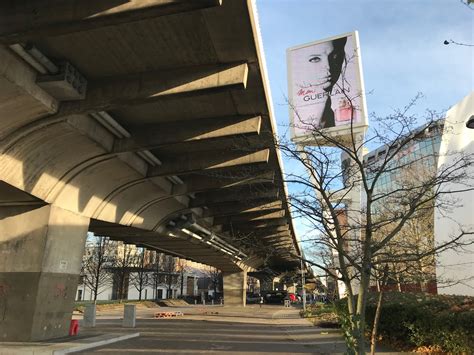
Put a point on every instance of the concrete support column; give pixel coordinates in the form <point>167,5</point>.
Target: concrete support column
<point>278,285</point>
<point>41,249</point>
<point>235,288</point>
<point>266,285</point>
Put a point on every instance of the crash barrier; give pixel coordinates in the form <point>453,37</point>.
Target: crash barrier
<point>168,314</point>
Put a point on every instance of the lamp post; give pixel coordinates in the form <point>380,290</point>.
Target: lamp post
<point>302,285</point>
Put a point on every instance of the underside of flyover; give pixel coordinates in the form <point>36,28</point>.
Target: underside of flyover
<point>145,121</point>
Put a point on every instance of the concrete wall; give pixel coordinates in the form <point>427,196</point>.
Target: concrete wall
<point>455,268</point>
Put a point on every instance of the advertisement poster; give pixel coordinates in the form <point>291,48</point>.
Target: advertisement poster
<point>325,88</point>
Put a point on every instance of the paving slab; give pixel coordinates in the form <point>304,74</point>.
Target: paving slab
<point>72,345</point>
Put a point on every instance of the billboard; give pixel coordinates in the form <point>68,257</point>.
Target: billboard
<point>325,88</point>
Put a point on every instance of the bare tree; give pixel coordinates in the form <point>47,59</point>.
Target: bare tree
<point>123,265</point>
<point>140,274</point>
<point>169,275</point>
<point>154,277</point>
<point>214,278</point>
<point>181,268</point>
<point>322,192</point>
<point>98,256</point>
<point>410,256</point>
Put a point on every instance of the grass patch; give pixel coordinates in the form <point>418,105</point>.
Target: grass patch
<point>110,304</point>
<point>322,315</point>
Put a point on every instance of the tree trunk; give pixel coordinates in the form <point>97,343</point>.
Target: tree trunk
<point>170,282</point>
<point>373,339</point>
<point>140,285</point>
<point>378,311</point>
<point>359,324</point>
<point>96,288</point>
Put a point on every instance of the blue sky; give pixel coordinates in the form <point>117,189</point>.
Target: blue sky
<point>401,44</point>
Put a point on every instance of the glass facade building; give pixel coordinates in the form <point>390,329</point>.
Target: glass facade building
<point>405,169</point>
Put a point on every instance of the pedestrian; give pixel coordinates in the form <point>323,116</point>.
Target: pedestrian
<point>261,301</point>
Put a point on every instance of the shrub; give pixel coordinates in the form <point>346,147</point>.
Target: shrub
<point>451,332</point>
<point>415,321</point>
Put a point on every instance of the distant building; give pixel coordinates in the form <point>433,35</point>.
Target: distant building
<point>452,271</point>
<point>163,276</point>
<point>420,156</point>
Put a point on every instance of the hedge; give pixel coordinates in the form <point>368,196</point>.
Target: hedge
<point>413,321</point>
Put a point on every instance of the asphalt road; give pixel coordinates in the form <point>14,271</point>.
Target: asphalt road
<point>270,330</point>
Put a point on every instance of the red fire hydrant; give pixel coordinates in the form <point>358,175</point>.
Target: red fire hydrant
<point>74,327</point>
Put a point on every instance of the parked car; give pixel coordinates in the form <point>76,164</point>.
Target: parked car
<point>275,297</point>
<point>253,298</point>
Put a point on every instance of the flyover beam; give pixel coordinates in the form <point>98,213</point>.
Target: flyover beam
<point>229,209</point>
<point>109,93</point>
<point>279,235</point>
<point>251,225</point>
<point>214,160</point>
<point>216,198</point>
<point>22,21</point>
<point>264,230</point>
<point>201,183</point>
<point>249,217</point>
<point>239,142</point>
<point>156,136</point>
<point>243,229</point>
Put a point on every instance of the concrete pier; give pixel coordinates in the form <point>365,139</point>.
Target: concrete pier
<point>41,250</point>
<point>235,288</point>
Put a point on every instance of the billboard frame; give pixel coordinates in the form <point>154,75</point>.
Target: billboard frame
<point>336,131</point>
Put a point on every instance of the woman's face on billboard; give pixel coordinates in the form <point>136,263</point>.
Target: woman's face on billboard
<point>326,63</point>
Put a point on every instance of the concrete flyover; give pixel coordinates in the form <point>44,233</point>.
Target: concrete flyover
<point>146,121</point>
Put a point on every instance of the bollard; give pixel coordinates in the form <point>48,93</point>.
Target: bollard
<point>195,301</point>
<point>212,302</point>
<point>129,316</point>
<point>203,302</point>
<point>89,316</point>
<point>74,327</point>
<point>222,301</point>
